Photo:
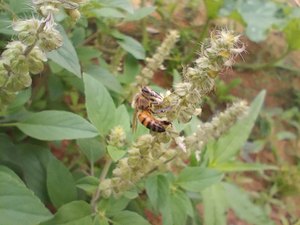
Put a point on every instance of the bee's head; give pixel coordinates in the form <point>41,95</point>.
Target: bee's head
<point>146,90</point>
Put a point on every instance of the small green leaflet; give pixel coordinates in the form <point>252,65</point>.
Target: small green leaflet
<point>113,206</point>
<point>129,218</point>
<point>130,45</point>
<point>158,190</point>
<point>53,125</point>
<point>115,153</point>
<point>197,179</point>
<point>92,148</point>
<point>73,213</point>
<point>215,205</point>
<point>181,207</point>
<point>292,34</point>
<point>89,184</point>
<point>140,13</point>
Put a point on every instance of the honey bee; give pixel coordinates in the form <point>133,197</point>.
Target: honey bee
<point>143,104</point>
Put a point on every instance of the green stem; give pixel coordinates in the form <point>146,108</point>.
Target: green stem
<point>8,124</point>
<point>103,174</point>
<point>39,30</point>
<point>6,7</point>
<point>261,66</point>
<point>145,37</point>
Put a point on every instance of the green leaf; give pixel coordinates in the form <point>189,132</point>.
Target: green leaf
<point>102,221</point>
<point>56,125</point>
<point>89,184</point>
<point>19,6</point>
<point>130,45</point>
<point>60,184</point>
<point>197,179</point>
<point>229,144</point>
<point>140,13</point>
<point>7,170</point>
<point>99,104</point>
<point>121,4</point>
<point>292,34</point>
<point>131,69</point>
<point>115,153</point>
<point>158,191</point>
<point>18,205</point>
<point>113,206</point>
<point>215,205</point>
<point>5,25</point>
<point>18,103</point>
<point>122,119</point>
<point>73,213</point>
<point>129,218</point>
<point>33,160</point>
<point>55,88</point>
<point>260,16</point>
<point>108,12</point>
<point>181,206</point>
<point>240,167</point>
<point>106,78</point>
<point>240,202</point>
<point>92,148</point>
<point>87,53</point>
<point>213,7</point>
<point>66,56</point>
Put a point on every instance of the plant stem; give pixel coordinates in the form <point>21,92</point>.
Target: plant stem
<point>39,30</point>
<point>8,124</point>
<point>260,66</point>
<point>103,174</point>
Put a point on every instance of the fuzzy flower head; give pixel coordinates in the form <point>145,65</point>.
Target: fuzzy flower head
<point>217,126</point>
<point>156,61</point>
<point>117,137</point>
<point>27,30</point>
<point>46,7</point>
<point>216,54</point>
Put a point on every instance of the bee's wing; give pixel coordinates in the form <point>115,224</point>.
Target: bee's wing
<point>134,121</point>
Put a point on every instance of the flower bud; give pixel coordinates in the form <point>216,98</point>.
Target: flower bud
<point>50,39</point>
<point>106,193</point>
<point>3,74</point>
<point>117,137</point>
<point>18,82</point>
<point>134,151</point>
<point>6,96</point>
<point>47,9</point>
<point>74,14</point>
<point>144,140</point>
<point>27,30</point>
<point>19,65</point>
<point>13,50</point>
<point>182,89</point>
<point>35,66</point>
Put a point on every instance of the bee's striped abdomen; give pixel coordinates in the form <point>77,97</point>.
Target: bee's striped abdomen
<point>150,122</point>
